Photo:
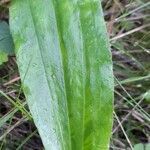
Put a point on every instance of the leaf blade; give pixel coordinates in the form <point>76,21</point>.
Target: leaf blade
<point>70,64</point>
<point>6,42</point>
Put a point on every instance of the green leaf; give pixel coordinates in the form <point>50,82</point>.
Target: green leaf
<point>147,96</point>
<point>65,65</point>
<point>6,42</point>
<point>3,57</point>
<point>141,146</point>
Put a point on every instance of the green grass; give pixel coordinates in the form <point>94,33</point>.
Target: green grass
<point>131,53</point>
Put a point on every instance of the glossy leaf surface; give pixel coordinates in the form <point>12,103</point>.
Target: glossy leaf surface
<point>66,70</point>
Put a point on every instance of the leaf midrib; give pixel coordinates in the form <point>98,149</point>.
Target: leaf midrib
<point>62,63</point>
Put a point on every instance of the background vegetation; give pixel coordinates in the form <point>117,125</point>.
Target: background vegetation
<point>128,23</point>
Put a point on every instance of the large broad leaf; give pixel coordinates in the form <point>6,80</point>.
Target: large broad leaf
<point>141,146</point>
<point>6,42</point>
<point>66,70</point>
